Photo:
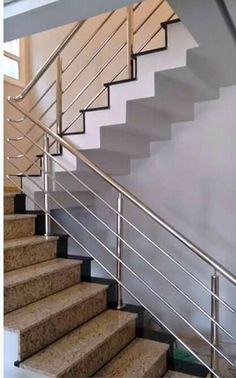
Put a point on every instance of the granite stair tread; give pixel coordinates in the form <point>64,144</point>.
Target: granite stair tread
<point>19,226</point>
<point>22,252</point>
<point>141,358</point>
<point>11,194</point>
<point>34,313</point>
<point>40,323</point>
<point>86,349</point>
<point>30,240</point>
<point>175,374</point>
<point>19,216</point>
<point>29,284</point>
<point>22,275</point>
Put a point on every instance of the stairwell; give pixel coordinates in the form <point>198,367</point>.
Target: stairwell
<point>56,324</point>
<point>78,332</point>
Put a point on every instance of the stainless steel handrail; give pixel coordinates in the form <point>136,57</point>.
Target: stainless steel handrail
<point>120,283</point>
<point>74,150</point>
<point>50,60</point>
<point>156,270</point>
<point>110,59</point>
<point>87,187</point>
<point>145,283</point>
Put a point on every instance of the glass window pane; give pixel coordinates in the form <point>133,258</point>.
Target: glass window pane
<point>12,47</point>
<point>11,68</point>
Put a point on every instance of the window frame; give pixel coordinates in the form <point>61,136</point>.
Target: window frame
<point>21,82</point>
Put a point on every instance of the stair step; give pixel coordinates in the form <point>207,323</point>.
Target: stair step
<point>19,226</point>
<point>27,285</point>
<point>191,84</point>
<point>175,374</point>
<point>9,202</point>
<point>40,323</point>
<point>22,252</point>
<point>112,162</point>
<point>91,179</point>
<point>131,145</point>
<point>141,358</point>
<point>86,349</point>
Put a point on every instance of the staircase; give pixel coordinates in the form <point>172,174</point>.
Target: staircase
<point>57,324</point>
<point>70,168</point>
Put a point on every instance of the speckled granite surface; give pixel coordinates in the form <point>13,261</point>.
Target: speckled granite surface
<point>9,203</point>
<point>174,374</point>
<point>18,226</point>
<point>27,251</point>
<point>43,322</point>
<point>141,358</point>
<point>27,285</point>
<point>83,351</point>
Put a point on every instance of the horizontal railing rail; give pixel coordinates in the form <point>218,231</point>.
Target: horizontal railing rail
<point>48,138</point>
<point>74,150</point>
<point>119,237</point>
<point>94,257</point>
<point>100,242</point>
<point>87,187</point>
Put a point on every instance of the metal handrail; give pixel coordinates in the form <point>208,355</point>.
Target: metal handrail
<point>213,372</point>
<point>52,178</point>
<point>136,201</point>
<point>87,187</point>
<point>50,60</point>
<point>106,64</point>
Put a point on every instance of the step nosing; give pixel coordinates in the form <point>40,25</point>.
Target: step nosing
<point>35,277</point>
<point>28,241</point>
<point>82,336</point>
<point>56,312</point>
<point>112,333</point>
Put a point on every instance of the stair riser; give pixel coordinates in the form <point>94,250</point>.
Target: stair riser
<point>99,356</point>
<point>40,287</point>
<point>20,257</point>
<point>9,204</point>
<point>41,335</point>
<point>158,369</point>
<point>19,228</point>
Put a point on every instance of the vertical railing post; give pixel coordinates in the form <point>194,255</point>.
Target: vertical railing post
<point>46,183</point>
<point>119,231</point>
<point>215,316</point>
<point>59,97</point>
<point>130,39</point>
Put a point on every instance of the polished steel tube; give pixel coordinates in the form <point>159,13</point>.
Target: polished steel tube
<point>114,277</point>
<point>191,275</point>
<point>214,327</point>
<point>75,151</point>
<point>104,43</point>
<point>158,296</point>
<point>130,39</point>
<point>59,95</point>
<point>119,238</point>
<point>46,164</point>
<point>104,66</point>
<point>119,231</point>
<point>49,61</point>
<point>59,100</point>
<point>148,40</point>
<point>88,40</point>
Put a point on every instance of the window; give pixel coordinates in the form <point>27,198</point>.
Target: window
<point>14,62</point>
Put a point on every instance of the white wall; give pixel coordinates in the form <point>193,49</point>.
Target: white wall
<point>190,181</point>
